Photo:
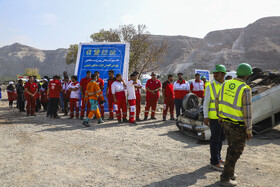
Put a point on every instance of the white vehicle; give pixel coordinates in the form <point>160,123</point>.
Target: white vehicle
<point>144,80</point>
<point>265,109</point>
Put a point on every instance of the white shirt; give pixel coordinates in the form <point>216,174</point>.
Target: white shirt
<point>131,90</point>
<point>74,94</point>
<point>117,87</point>
<point>198,86</point>
<point>178,86</point>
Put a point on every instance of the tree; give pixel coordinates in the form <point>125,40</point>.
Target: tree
<point>72,54</point>
<point>32,72</point>
<point>144,52</point>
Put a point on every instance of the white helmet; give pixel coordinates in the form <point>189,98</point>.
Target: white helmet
<point>11,82</point>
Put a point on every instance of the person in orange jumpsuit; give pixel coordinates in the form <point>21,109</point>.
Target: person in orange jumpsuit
<point>93,93</point>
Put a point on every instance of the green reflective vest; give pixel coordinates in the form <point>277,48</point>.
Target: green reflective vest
<point>230,100</point>
<point>207,83</point>
<point>214,90</point>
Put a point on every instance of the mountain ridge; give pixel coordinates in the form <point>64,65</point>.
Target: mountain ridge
<point>257,44</point>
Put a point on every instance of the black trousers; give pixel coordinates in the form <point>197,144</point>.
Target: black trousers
<point>38,105</point>
<point>53,104</point>
<point>217,137</point>
<point>179,107</point>
<point>21,105</point>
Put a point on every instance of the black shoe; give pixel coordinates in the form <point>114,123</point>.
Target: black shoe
<point>56,117</point>
<point>27,114</point>
<point>138,119</point>
<point>125,120</point>
<point>153,117</point>
<point>145,118</point>
<point>77,117</point>
<point>85,123</point>
<point>82,117</point>
<point>119,121</point>
<point>70,117</point>
<point>163,119</point>
<point>33,115</point>
<point>65,114</point>
<point>47,115</point>
<point>133,124</point>
<point>100,122</point>
<point>172,118</point>
<point>110,118</point>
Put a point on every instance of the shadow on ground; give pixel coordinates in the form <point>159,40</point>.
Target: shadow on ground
<point>185,179</point>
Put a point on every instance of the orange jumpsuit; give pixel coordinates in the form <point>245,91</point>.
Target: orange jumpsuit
<point>93,94</point>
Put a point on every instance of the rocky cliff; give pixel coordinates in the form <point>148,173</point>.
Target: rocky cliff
<point>257,44</point>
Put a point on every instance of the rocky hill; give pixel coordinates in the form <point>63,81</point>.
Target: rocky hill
<point>257,44</point>
<point>16,57</point>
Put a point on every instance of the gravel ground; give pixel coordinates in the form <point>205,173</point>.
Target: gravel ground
<point>39,151</point>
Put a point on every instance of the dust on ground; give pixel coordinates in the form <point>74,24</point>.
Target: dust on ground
<point>39,151</point>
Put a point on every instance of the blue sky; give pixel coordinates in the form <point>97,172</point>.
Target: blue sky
<point>52,24</point>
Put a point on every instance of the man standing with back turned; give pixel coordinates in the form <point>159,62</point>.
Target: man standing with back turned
<point>210,116</point>
<point>234,108</point>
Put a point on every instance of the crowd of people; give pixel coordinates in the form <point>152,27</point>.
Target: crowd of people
<point>76,98</point>
<point>227,104</point>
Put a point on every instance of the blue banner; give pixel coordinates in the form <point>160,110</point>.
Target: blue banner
<point>205,73</point>
<point>102,57</point>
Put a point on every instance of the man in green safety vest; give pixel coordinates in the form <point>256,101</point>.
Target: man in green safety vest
<point>210,117</point>
<point>234,108</point>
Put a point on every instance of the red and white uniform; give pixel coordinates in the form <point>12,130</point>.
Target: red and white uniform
<point>138,99</point>
<point>100,82</point>
<point>11,94</point>
<point>169,98</point>
<point>119,91</point>
<point>31,101</point>
<point>74,98</point>
<point>131,96</point>
<point>66,92</point>
<point>84,83</point>
<point>110,97</point>
<point>151,100</point>
<point>181,89</point>
<point>198,88</point>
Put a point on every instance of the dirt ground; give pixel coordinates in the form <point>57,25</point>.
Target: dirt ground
<point>39,151</point>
